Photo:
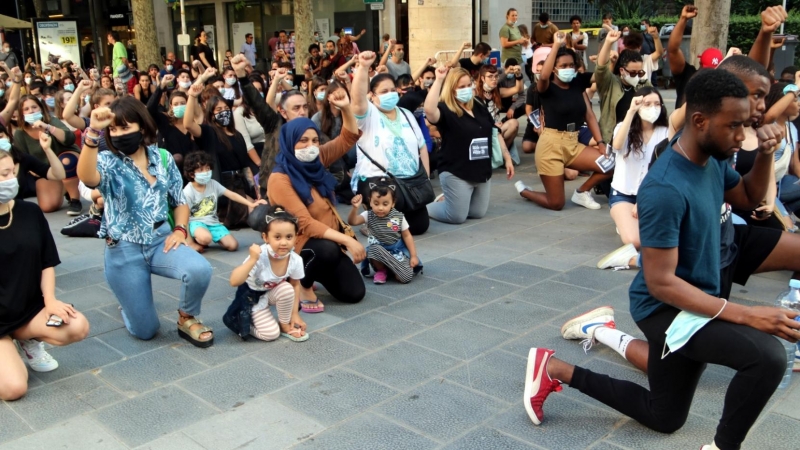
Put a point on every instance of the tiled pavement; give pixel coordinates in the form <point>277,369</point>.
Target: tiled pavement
<point>438,363</point>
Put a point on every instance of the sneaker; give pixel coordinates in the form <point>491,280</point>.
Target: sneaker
<point>584,326</point>
<point>521,187</point>
<point>796,367</point>
<point>36,356</point>
<point>82,226</point>
<point>75,208</point>
<point>380,277</point>
<point>585,199</point>
<point>538,384</point>
<point>95,213</point>
<point>619,258</point>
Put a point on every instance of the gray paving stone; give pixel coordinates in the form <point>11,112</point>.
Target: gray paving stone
<point>476,289</point>
<point>100,323</point>
<point>171,442</point>
<point>373,330</point>
<point>80,279</point>
<point>774,431</point>
<point>232,385</point>
<point>566,424</point>
<point>89,298</point>
<point>373,300</point>
<point>553,294</point>
<point>514,316</point>
<point>399,291</point>
<point>442,410</point>
<point>306,359</point>
<point>593,278</point>
<point>498,374</point>
<point>80,433</point>
<point>484,438</point>
<point>427,308</point>
<point>13,425</point>
<point>334,395</point>
<point>602,445</point>
<point>57,402</point>
<point>486,254</point>
<point>121,340</point>
<point>259,424</point>
<point>448,269</point>
<point>367,432</point>
<point>518,273</point>
<point>147,417</point>
<point>696,432</point>
<point>787,401</point>
<point>403,365</point>
<point>81,357</point>
<point>555,258</point>
<point>461,339</point>
<point>150,370</point>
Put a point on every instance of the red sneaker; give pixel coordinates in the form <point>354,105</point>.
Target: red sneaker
<point>538,384</point>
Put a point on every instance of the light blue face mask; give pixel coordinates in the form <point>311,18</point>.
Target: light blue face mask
<point>485,60</point>
<point>33,117</point>
<point>202,177</point>
<point>682,328</point>
<point>179,111</point>
<point>5,144</point>
<point>69,87</point>
<point>566,75</point>
<point>87,98</point>
<point>388,100</point>
<point>50,102</point>
<point>320,95</point>
<point>464,95</point>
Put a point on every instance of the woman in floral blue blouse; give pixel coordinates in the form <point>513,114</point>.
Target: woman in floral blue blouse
<point>139,190</point>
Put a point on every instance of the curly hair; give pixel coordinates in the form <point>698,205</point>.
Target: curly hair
<point>194,161</point>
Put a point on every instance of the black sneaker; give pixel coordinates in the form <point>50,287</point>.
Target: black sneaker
<point>75,208</point>
<point>82,226</point>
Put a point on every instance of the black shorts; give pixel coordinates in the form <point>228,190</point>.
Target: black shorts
<point>27,186</point>
<point>530,134</point>
<point>754,244</point>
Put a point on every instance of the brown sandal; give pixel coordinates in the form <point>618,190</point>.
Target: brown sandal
<point>193,336</point>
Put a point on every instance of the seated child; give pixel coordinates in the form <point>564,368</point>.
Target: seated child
<point>201,196</point>
<point>260,286</point>
<point>390,247</point>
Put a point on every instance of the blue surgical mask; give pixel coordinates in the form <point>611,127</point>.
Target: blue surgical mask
<point>202,177</point>
<point>69,87</point>
<point>388,100</point>
<point>48,78</point>
<point>2,92</point>
<point>464,95</point>
<point>33,117</point>
<point>230,81</point>
<point>88,98</point>
<point>50,102</point>
<point>179,111</point>
<point>320,95</point>
<point>566,75</point>
<point>262,94</point>
<point>5,144</point>
<point>485,60</point>
<point>509,75</point>
<point>169,68</point>
<point>682,328</point>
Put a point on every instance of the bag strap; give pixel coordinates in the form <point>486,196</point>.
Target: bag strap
<point>375,163</point>
<point>344,226</point>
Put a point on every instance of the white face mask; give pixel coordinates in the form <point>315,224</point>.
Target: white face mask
<point>275,255</point>
<point>307,154</point>
<point>230,81</point>
<point>185,84</point>
<point>650,114</point>
<point>632,81</point>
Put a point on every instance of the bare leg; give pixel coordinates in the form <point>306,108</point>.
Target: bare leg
<point>553,195</point>
<point>13,374</point>
<point>49,194</point>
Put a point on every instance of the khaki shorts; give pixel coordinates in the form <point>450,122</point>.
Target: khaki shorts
<point>556,150</point>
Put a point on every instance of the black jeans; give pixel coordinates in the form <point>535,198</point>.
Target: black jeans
<point>326,263</point>
<point>758,358</point>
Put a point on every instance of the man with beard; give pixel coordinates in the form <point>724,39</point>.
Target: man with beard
<point>675,297</point>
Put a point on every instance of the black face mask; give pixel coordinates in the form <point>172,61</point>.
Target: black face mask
<point>127,144</point>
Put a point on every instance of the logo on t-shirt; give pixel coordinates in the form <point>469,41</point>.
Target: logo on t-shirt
<point>725,212</point>
<point>393,224</point>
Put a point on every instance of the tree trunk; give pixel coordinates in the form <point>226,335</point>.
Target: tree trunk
<point>304,32</point>
<point>144,22</point>
<point>40,6</point>
<point>710,28</point>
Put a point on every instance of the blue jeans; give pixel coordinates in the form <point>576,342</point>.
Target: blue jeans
<point>618,197</point>
<point>462,200</point>
<point>790,193</point>
<point>128,270</point>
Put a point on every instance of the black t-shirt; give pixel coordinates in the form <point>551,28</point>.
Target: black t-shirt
<point>28,163</point>
<point>458,136</point>
<point>470,66</point>
<point>206,50</point>
<point>227,160</point>
<point>413,100</point>
<point>26,248</point>
<point>505,82</point>
<point>681,81</point>
<point>624,104</point>
<point>532,97</point>
<point>565,106</point>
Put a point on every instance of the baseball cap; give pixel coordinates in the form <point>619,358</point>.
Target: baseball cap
<point>710,58</point>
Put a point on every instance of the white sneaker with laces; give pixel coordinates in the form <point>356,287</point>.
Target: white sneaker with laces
<point>36,356</point>
<point>584,326</point>
<point>620,257</point>
<point>520,186</point>
<point>585,199</point>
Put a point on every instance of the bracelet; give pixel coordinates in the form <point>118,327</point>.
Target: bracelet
<point>85,144</point>
<point>721,309</point>
<point>182,230</point>
<point>97,132</point>
<point>518,78</point>
<point>91,142</point>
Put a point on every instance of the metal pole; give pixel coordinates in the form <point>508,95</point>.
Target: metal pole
<point>183,31</point>
<point>784,7</point>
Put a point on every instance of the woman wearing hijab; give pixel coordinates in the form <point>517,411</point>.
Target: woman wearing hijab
<point>302,184</point>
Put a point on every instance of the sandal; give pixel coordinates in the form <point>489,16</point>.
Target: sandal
<point>193,336</point>
<point>294,338</point>
<point>311,306</point>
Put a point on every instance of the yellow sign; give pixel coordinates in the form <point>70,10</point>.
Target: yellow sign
<point>69,40</point>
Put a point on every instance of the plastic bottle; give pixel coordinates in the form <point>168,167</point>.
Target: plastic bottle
<point>789,300</point>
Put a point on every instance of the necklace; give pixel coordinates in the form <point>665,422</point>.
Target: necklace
<point>682,150</point>
<point>10,218</point>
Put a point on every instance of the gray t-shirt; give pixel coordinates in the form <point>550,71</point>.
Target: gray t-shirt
<point>398,69</point>
<point>203,205</point>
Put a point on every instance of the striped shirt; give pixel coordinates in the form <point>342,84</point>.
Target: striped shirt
<point>386,230</point>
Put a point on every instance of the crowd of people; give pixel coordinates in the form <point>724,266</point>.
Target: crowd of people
<point>172,157</point>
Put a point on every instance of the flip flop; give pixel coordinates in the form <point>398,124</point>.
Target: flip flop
<point>304,306</point>
<point>295,338</point>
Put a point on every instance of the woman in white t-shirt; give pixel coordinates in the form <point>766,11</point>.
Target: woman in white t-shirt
<point>635,139</point>
<point>390,136</point>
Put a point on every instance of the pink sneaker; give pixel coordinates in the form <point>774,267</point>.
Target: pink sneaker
<point>538,384</point>
<point>380,277</point>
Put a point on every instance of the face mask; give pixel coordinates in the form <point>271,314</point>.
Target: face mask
<point>274,255</point>
<point>565,75</point>
<point>33,117</point>
<point>202,177</point>
<point>682,328</point>
<point>625,33</point>
<point>224,92</point>
<point>544,26</point>
<point>307,154</point>
<point>464,95</point>
<point>69,87</point>
<point>6,50</point>
<point>47,78</point>
<point>87,99</point>
<point>509,75</point>
<point>185,85</point>
<point>536,77</point>
<point>169,68</point>
<point>513,24</point>
<point>178,111</point>
<point>50,102</point>
<point>650,114</point>
<point>8,190</point>
<point>388,100</point>
<point>632,81</point>
<point>8,84</point>
<point>400,54</point>
<point>642,27</point>
<point>223,118</point>
<point>127,144</point>
<point>230,81</point>
<point>485,60</point>
<point>427,83</point>
<point>320,95</point>
<point>27,81</point>
<point>2,91</point>
<point>5,144</point>
<point>487,88</point>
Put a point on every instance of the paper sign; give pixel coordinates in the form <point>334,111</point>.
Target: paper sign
<point>479,149</point>
<point>606,163</point>
<point>58,41</point>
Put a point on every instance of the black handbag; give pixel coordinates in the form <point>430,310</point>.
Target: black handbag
<point>413,192</point>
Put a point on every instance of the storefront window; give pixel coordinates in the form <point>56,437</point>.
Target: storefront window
<point>242,21</point>
<point>197,17</point>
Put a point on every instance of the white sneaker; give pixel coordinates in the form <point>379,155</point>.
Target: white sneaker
<point>620,257</point>
<point>521,187</point>
<point>583,326</point>
<point>585,199</point>
<point>36,356</point>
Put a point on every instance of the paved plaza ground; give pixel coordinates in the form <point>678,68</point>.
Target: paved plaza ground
<point>438,363</point>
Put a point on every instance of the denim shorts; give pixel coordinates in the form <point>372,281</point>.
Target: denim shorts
<point>617,197</point>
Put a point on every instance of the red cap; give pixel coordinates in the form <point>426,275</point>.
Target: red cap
<point>710,58</point>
